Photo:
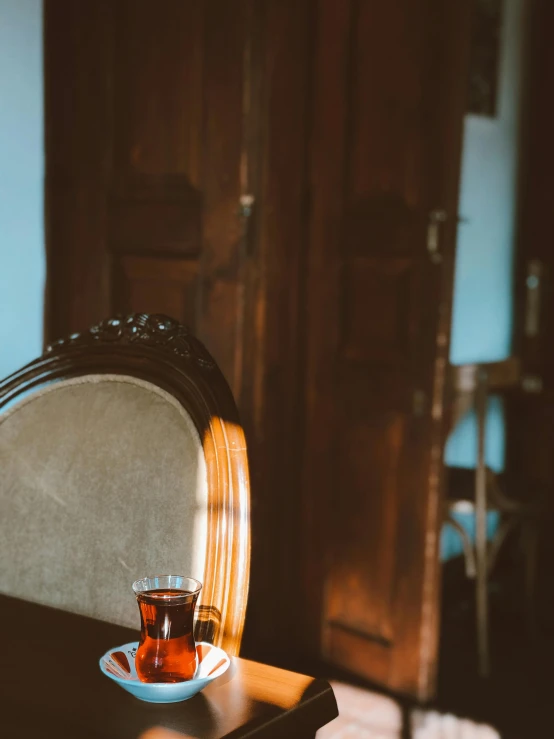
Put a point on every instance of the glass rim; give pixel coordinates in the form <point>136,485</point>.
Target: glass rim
<point>145,585</point>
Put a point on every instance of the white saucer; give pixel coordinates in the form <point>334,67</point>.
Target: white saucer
<point>119,665</point>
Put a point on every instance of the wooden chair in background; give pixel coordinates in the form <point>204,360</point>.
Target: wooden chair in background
<point>481,490</point>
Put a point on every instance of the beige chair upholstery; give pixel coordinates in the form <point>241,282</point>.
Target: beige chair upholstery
<point>102,481</point>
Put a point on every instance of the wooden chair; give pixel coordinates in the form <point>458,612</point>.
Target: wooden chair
<point>122,455</point>
<point>124,442</point>
<point>480,491</point>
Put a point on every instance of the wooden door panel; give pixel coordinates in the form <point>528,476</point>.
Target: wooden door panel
<point>150,285</point>
<point>173,226</point>
<point>154,200</point>
<point>221,307</point>
<point>387,197</point>
<point>158,87</point>
<point>374,377</point>
<point>382,221</point>
<point>388,81</point>
<point>361,590</point>
<point>78,285</point>
<point>390,392</point>
<point>387,335</point>
<point>144,107</point>
<point>77,112</point>
<point>350,650</point>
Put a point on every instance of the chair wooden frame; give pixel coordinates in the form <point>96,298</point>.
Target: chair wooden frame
<point>158,349</point>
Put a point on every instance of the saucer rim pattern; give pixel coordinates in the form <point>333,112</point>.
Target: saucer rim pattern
<point>173,687</point>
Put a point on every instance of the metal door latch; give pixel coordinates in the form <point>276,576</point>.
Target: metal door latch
<point>436,217</point>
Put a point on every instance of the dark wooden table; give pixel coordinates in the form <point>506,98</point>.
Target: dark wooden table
<point>51,686</point>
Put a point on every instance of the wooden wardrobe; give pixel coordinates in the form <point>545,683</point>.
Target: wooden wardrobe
<point>282,175</point>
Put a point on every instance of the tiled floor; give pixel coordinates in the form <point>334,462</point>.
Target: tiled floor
<point>367,715</point>
<point>517,697</point>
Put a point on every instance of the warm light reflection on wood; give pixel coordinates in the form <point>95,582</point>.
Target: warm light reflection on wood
<point>227,565</point>
<point>280,688</point>
<point>159,732</point>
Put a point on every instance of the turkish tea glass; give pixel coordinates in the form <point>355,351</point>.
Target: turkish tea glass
<point>167,651</point>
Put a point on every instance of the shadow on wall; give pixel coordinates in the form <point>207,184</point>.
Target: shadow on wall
<point>483,289</point>
<point>22,259</point>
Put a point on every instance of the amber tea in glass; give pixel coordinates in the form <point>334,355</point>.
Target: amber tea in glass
<point>167,651</point>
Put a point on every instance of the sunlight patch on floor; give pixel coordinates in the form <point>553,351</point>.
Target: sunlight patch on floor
<point>367,715</point>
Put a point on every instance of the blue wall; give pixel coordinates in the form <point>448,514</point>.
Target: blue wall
<point>483,305</point>
<point>22,263</point>
<point>482,311</point>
